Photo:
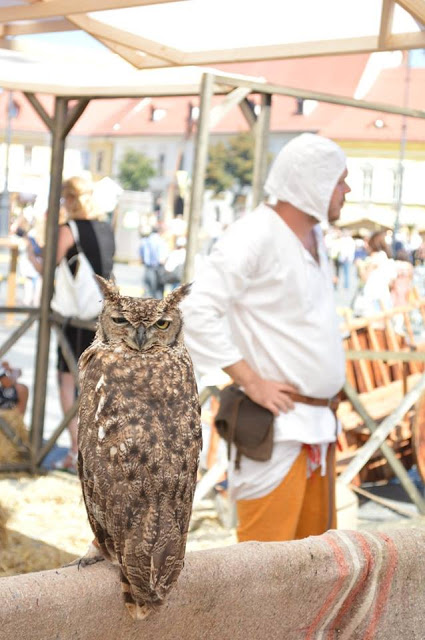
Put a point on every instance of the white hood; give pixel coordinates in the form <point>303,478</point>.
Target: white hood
<point>305,174</point>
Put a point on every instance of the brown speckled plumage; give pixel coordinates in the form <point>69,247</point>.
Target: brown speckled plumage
<point>139,442</point>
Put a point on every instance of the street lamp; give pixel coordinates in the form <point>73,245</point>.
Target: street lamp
<point>12,112</point>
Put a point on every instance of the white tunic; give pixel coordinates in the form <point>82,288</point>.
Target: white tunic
<point>262,297</point>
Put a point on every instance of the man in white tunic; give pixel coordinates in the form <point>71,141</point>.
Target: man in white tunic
<point>263,310</point>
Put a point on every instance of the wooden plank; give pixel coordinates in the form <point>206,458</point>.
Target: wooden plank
<point>39,109</point>
<point>74,114</point>
<point>393,345</point>
<point>248,112</point>
<point>379,436</point>
<point>48,446</point>
<point>266,87</point>
<point>385,28</point>
<point>228,103</point>
<point>130,40</point>
<point>416,8</point>
<point>378,403</point>
<point>364,380</point>
<point>198,176</point>
<point>363,44</point>
<point>68,7</point>
<point>399,356</point>
<point>405,41</point>
<point>380,369</point>
<point>49,267</point>
<point>413,366</point>
<point>262,131</point>
<point>55,25</point>
<point>135,58</point>
<point>23,328</point>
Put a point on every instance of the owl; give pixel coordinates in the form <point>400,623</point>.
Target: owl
<point>139,442</point>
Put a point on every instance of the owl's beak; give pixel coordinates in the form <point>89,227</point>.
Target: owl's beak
<point>140,336</point>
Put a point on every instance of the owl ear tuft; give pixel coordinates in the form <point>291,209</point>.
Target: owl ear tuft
<point>107,287</point>
<point>176,296</point>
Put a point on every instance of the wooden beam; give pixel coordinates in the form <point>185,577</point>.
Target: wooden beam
<point>68,7</point>
<point>198,176</point>
<point>364,454</point>
<point>261,132</point>
<point>266,87</point>
<point>248,112</point>
<point>406,41</point>
<point>416,8</point>
<point>138,60</point>
<point>388,452</point>
<point>38,26</point>
<point>231,100</point>
<point>364,44</point>
<point>124,38</point>
<point>40,110</point>
<point>49,266</point>
<point>385,28</point>
<point>74,114</point>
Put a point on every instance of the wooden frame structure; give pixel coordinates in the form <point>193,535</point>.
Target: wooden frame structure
<point>43,16</point>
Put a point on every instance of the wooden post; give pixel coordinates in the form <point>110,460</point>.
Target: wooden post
<point>261,129</point>
<point>49,265</point>
<point>198,176</point>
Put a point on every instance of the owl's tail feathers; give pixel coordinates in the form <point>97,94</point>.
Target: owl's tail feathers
<point>137,611</point>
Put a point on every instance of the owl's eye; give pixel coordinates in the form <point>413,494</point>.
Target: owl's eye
<point>162,324</point>
<point>119,320</point>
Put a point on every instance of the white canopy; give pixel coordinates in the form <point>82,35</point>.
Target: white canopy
<point>157,33</point>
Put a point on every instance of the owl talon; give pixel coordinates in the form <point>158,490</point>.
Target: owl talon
<point>86,562</point>
<point>92,556</point>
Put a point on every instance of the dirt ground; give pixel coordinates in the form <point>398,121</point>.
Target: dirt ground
<point>47,525</point>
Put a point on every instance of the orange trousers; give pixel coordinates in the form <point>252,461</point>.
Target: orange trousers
<point>297,508</point>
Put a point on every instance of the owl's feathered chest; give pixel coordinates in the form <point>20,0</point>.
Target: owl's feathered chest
<point>133,396</point>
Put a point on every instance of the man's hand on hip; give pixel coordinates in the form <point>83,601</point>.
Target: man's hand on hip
<point>268,393</point>
<point>271,395</point>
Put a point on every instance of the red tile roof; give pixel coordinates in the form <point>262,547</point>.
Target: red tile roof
<point>338,75</point>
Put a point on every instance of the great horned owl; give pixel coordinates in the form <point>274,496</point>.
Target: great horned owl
<point>139,441</point>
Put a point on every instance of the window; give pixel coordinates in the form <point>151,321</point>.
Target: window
<point>397,183</point>
<point>299,107</point>
<point>99,161</point>
<point>27,156</point>
<point>161,165</point>
<point>194,113</point>
<point>367,171</point>
<point>158,114</point>
<point>85,160</point>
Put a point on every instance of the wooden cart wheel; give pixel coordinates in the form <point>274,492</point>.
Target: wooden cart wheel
<point>418,436</point>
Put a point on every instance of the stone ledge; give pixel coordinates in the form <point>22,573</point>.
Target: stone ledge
<point>347,584</point>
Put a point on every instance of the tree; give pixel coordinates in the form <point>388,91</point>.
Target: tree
<point>135,171</point>
<point>217,176</point>
<point>240,160</point>
<point>231,165</point>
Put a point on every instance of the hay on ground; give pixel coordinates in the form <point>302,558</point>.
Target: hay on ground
<point>8,449</point>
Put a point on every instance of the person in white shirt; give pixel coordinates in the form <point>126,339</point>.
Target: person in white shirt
<point>262,309</point>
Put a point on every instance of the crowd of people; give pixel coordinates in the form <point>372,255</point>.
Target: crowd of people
<point>378,268</point>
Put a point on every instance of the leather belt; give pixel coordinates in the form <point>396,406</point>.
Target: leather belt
<point>332,403</point>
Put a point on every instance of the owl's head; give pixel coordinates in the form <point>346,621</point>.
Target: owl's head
<point>143,324</point>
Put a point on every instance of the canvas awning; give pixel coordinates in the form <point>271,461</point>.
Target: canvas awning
<point>158,33</point>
